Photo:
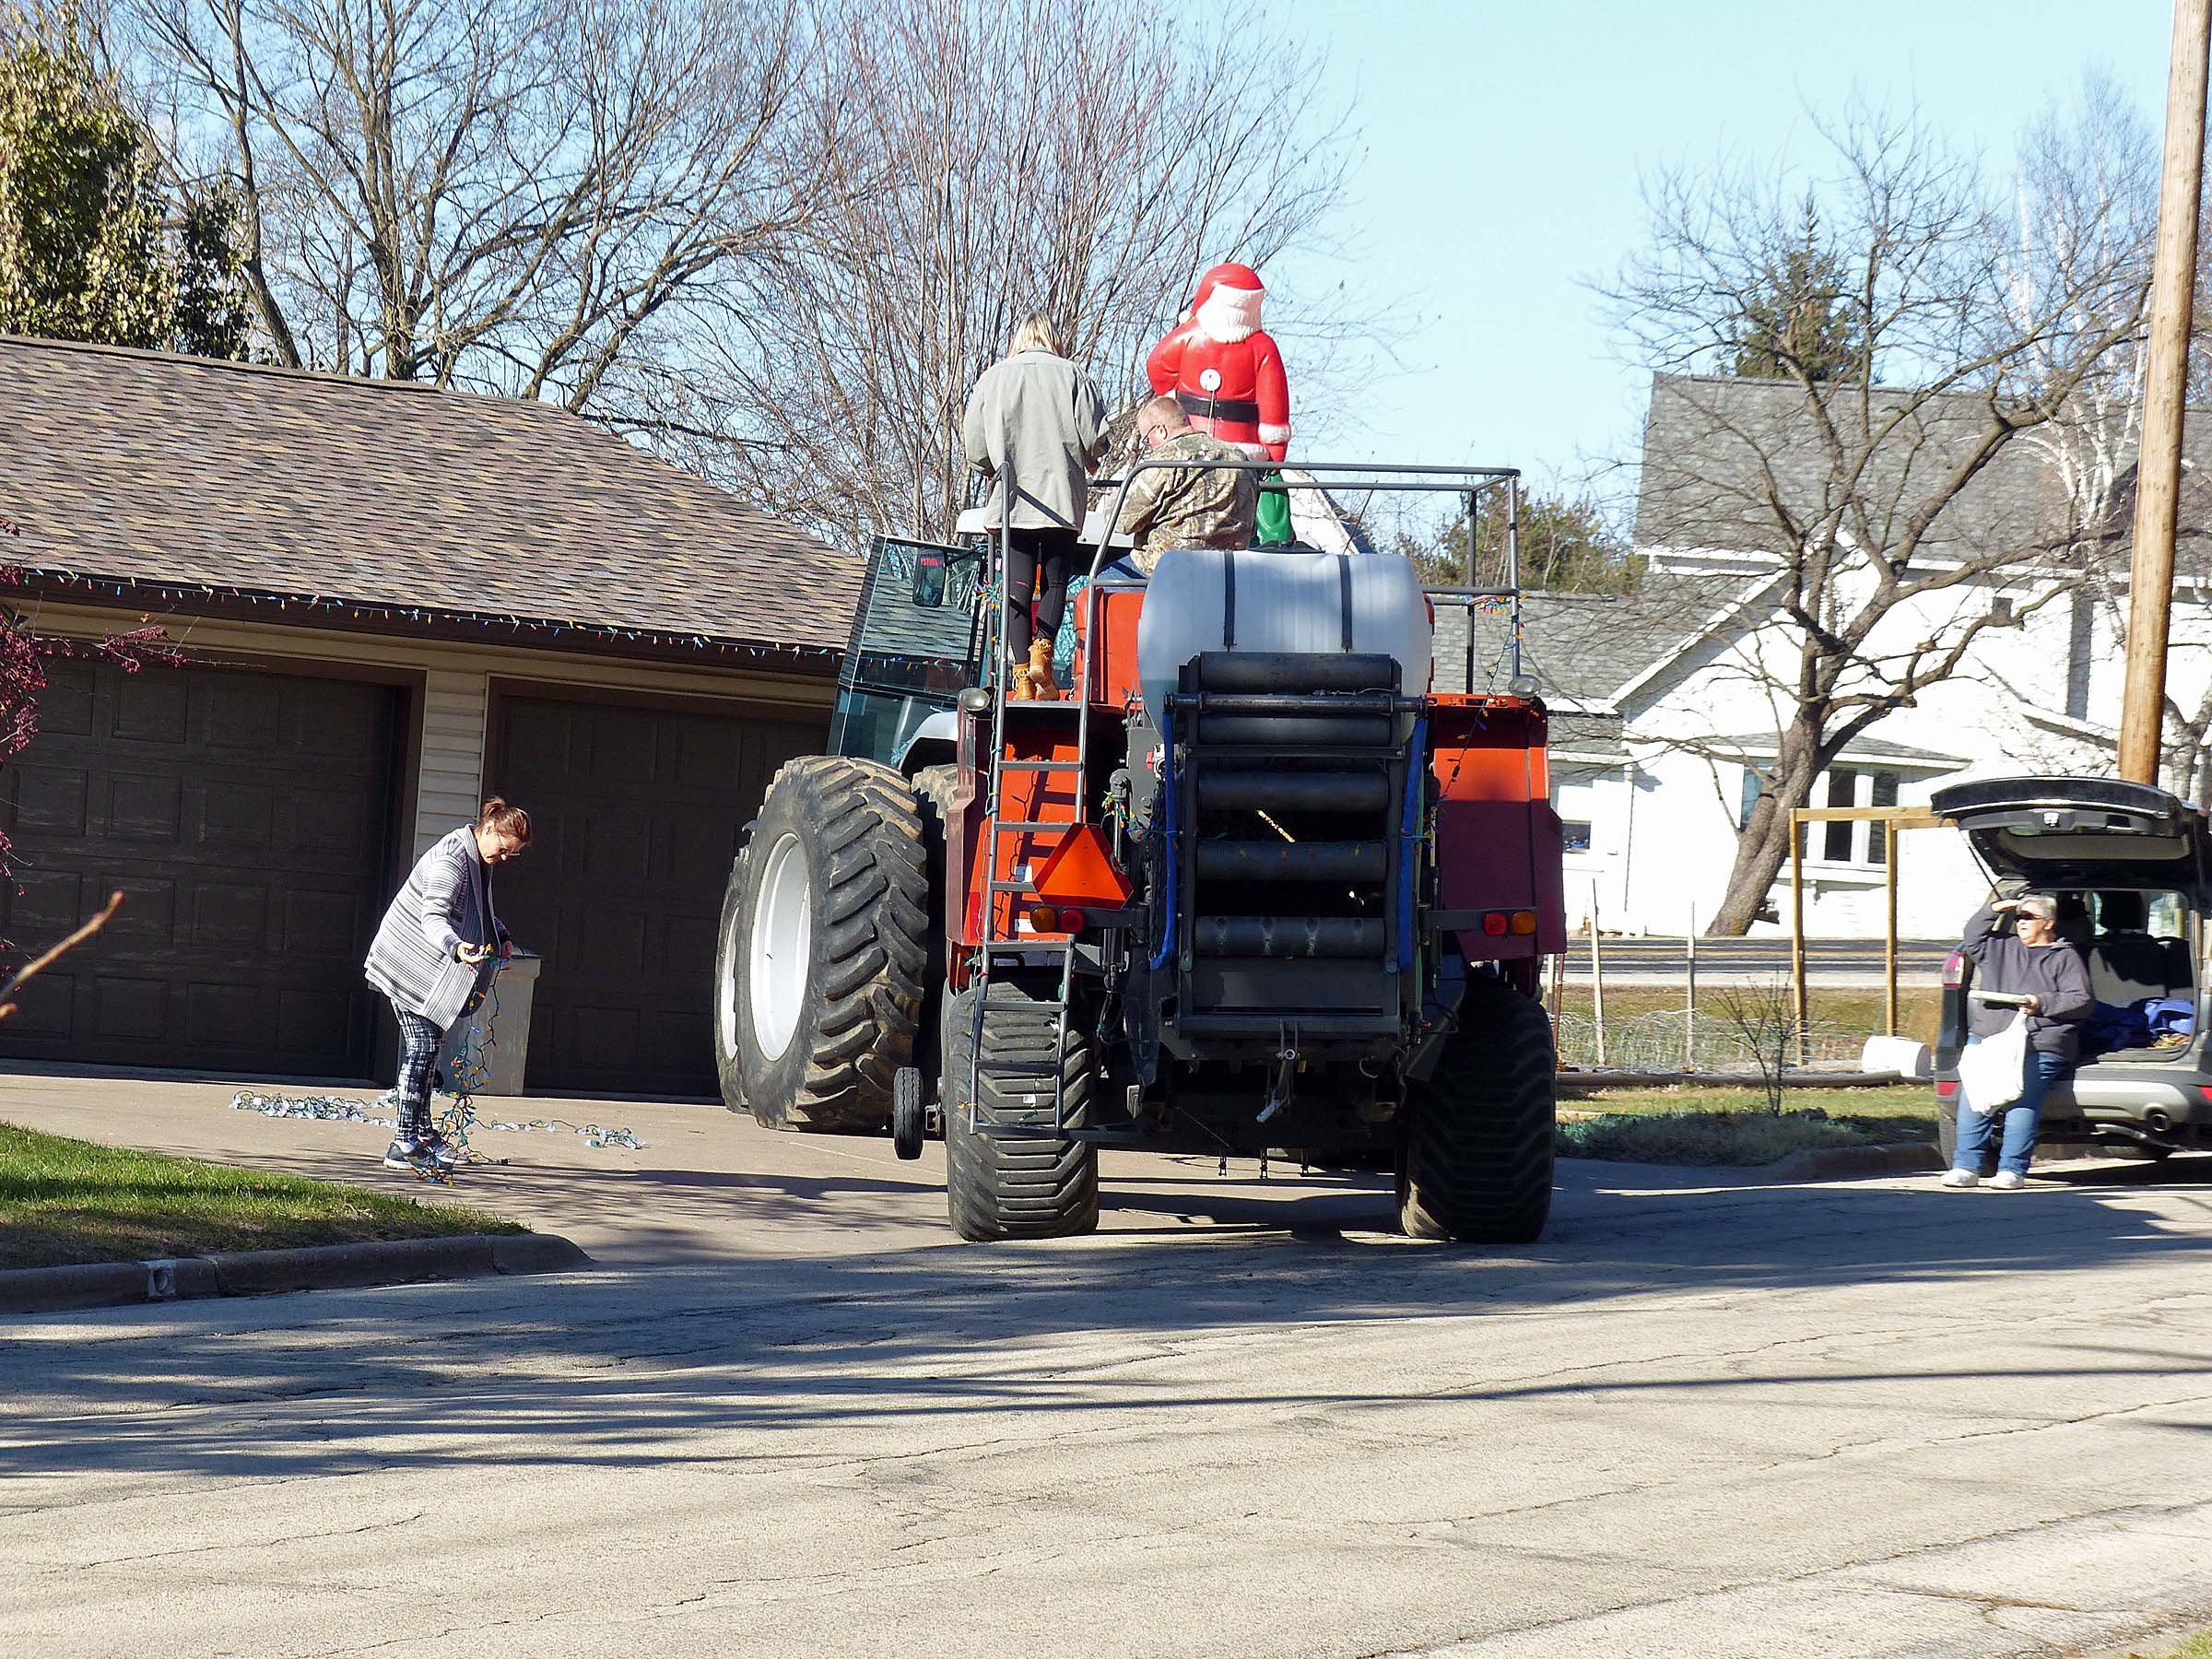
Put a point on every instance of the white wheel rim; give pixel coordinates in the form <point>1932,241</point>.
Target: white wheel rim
<point>779,946</point>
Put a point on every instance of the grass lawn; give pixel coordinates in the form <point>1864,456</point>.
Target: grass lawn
<point>64,1201</point>
<point>1702,1124</point>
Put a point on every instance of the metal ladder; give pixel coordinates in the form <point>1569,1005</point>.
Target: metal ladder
<point>997,830</point>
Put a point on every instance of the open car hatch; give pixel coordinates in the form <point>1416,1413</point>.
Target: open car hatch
<point>2077,832</point>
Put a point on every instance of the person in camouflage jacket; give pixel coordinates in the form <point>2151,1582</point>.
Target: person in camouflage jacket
<point>1214,507</point>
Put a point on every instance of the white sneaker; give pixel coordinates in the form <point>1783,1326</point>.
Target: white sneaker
<point>1960,1179</point>
<point>2008,1180</point>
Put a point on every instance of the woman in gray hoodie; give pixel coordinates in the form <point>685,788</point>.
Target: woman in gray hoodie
<point>428,956</point>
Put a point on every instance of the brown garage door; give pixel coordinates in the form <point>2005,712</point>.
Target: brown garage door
<point>634,816</point>
<point>248,818</point>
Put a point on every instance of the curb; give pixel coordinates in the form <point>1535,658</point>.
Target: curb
<point>268,1272</point>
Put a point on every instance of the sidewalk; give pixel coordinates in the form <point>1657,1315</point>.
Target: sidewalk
<point>707,1184</point>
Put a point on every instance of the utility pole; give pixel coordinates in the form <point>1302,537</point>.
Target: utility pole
<point>2158,471</point>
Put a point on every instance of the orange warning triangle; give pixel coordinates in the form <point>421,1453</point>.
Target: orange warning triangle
<point>1080,872</point>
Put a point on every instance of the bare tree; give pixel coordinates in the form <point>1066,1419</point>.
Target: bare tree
<point>528,197</point>
<point>1762,1018</point>
<point>1878,497</point>
<point>1071,157</point>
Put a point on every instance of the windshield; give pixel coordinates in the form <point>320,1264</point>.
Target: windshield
<point>913,647</point>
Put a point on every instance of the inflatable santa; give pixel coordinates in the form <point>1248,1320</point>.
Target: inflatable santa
<point>1226,372</point>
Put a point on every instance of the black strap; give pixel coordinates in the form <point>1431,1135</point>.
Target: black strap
<point>1344,588</point>
<point>1228,601</point>
<point>1242,409</point>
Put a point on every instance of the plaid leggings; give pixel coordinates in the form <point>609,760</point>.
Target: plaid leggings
<point>419,1040</point>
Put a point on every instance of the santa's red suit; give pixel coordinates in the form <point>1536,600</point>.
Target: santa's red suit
<point>1223,369</point>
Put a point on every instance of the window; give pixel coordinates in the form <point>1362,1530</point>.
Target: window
<point>1842,791</point>
<point>2000,611</point>
<point>1754,788</point>
<point>1878,835</point>
<point>1574,836</point>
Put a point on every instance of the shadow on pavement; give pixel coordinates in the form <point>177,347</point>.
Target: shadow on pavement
<point>624,1368</point>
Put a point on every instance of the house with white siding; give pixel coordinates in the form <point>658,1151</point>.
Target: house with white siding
<point>1665,703</point>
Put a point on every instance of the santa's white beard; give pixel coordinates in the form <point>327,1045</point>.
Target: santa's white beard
<point>1230,314</point>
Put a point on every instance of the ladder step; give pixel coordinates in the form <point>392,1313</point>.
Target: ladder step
<point>1030,947</point>
<point>1031,825</point>
<point>1013,886</point>
<point>1018,1068</point>
<point>1009,763</point>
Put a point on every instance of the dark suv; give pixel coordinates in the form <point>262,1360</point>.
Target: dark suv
<point>2126,863</point>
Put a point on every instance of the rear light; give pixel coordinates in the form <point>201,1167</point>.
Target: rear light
<point>1071,921</point>
<point>1954,970</point>
<point>1045,918</point>
<point>1947,1088</point>
<point>1494,924</point>
<point>1524,921</point>
<point>2206,1091</point>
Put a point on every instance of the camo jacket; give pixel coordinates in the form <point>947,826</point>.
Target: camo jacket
<point>1212,507</point>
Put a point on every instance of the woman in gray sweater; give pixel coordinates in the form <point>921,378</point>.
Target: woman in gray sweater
<point>429,957</point>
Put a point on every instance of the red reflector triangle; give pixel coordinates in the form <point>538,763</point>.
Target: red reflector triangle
<point>1080,873</point>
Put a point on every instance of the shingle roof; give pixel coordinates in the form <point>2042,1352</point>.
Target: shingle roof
<point>1720,452</point>
<point>148,468</point>
<point>1581,647</point>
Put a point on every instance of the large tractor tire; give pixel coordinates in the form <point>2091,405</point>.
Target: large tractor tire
<point>823,953</point>
<point>1476,1165</point>
<point>1016,1189</point>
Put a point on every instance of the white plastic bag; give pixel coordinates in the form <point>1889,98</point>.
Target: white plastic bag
<point>1993,1073</point>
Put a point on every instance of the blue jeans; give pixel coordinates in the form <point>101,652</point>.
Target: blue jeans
<point>2021,1119</point>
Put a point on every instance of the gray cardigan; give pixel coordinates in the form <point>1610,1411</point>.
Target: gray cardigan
<point>445,903</point>
<point>1044,419</point>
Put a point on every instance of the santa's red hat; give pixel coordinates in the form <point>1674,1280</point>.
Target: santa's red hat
<point>1226,306</point>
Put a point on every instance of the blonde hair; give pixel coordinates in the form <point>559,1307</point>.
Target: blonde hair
<point>1035,332</point>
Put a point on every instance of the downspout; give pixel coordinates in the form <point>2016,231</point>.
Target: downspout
<point>1628,841</point>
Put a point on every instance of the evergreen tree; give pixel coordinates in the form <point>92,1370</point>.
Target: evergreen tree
<point>1566,547</point>
<point>92,245</point>
<point>1799,320</point>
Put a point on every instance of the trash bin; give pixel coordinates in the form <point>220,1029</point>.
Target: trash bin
<point>499,1027</point>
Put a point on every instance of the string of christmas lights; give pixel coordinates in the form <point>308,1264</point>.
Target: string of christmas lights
<point>133,590</point>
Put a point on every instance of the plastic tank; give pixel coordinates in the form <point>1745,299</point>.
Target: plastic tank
<point>1283,602</point>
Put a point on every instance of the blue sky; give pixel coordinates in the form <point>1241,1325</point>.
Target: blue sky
<point>1553,110</point>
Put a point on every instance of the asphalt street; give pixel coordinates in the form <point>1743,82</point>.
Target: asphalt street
<point>1698,1420</point>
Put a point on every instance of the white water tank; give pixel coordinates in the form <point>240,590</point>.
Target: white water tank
<point>1299,602</point>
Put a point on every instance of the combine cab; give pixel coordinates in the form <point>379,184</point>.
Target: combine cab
<point>1253,886</point>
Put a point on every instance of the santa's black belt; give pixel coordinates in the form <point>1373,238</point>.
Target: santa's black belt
<point>1242,409</point>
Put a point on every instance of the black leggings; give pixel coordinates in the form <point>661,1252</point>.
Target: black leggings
<point>1054,550</point>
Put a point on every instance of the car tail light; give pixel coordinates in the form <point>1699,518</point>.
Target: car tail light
<point>1947,1088</point>
<point>1495,923</point>
<point>1524,921</point>
<point>2205,1090</point>
<point>1954,970</point>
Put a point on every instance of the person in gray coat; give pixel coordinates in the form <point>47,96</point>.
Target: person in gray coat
<point>429,957</point>
<point>1036,423</point>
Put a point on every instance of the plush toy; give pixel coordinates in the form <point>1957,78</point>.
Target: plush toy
<point>1226,372</point>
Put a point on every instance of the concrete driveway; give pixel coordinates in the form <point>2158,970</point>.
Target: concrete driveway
<point>1699,1421</point>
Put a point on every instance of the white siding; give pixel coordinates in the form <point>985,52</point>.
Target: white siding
<point>451,781</point>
